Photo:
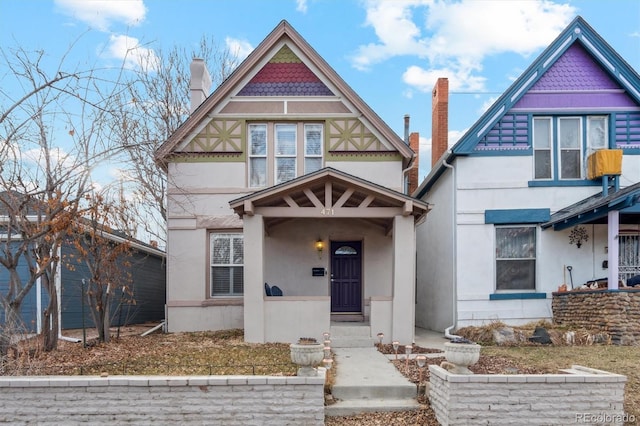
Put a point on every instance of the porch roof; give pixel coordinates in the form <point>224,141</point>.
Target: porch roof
<point>330,193</point>
<point>594,209</point>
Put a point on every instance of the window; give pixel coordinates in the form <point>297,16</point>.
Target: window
<point>559,144</point>
<point>312,147</point>
<point>257,155</point>
<point>279,152</point>
<point>570,148</point>
<point>516,258</point>
<point>227,264</point>
<point>542,147</point>
<point>285,161</point>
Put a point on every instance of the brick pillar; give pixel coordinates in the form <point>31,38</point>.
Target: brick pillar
<point>439,119</point>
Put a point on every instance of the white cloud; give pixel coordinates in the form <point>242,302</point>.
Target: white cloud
<point>393,24</point>
<point>240,48</point>
<point>129,50</point>
<point>455,38</point>
<point>425,79</point>
<point>100,14</point>
<point>301,6</point>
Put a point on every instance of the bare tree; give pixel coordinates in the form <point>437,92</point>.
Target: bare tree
<point>108,261</point>
<point>155,106</point>
<point>52,133</point>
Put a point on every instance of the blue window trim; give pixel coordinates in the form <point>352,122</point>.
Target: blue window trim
<point>514,296</point>
<point>578,182</point>
<point>517,216</point>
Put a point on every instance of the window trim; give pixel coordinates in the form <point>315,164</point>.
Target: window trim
<point>556,157</point>
<point>535,259</point>
<point>211,265</point>
<point>548,149</point>
<point>277,156</point>
<point>271,157</point>
<point>305,154</point>
<point>251,156</point>
<point>559,148</point>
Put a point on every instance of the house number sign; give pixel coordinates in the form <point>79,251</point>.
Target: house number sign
<point>327,212</point>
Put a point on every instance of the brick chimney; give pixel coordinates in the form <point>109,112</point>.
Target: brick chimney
<point>200,83</point>
<point>439,119</point>
<point>413,175</point>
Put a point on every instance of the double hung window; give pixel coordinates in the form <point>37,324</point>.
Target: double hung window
<point>285,155</point>
<point>279,152</point>
<point>516,258</point>
<point>227,264</point>
<point>561,144</point>
<point>257,155</point>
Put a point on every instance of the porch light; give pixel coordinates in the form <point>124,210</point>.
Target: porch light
<point>319,247</point>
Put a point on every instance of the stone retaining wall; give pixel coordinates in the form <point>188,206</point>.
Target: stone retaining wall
<point>582,396</point>
<point>211,400</point>
<point>614,312</point>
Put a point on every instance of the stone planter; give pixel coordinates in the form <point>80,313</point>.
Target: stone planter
<point>307,356</point>
<point>461,356</point>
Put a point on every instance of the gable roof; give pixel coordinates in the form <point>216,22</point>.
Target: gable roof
<point>282,32</point>
<point>330,193</point>
<point>578,31</point>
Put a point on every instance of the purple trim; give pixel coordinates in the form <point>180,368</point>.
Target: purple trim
<point>575,100</point>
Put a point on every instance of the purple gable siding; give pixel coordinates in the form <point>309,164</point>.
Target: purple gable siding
<point>575,71</point>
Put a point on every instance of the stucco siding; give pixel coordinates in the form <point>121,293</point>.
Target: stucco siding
<point>435,259</point>
<point>187,267</point>
<point>290,256</point>
<point>205,318</point>
<point>480,190</point>
<point>214,174</point>
<point>385,173</point>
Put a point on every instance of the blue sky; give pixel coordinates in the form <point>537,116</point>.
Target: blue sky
<point>391,52</point>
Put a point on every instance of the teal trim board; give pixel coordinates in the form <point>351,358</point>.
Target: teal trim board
<point>517,216</point>
<point>512,296</point>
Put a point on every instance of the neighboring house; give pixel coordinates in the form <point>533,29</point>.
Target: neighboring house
<point>143,302</point>
<point>521,206</point>
<point>283,176</point>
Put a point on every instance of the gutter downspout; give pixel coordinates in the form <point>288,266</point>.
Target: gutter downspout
<point>454,233</point>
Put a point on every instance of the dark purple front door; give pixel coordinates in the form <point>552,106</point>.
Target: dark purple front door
<point>346,276</point>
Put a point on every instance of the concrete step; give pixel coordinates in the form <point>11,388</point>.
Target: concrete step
<point>351,335</point>
<point>350,330</point>
<point>374,391</point>
<point>365,381</point>
<point>352,342</point>
<point>353,407</point>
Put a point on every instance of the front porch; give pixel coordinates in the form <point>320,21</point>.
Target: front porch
<point>337,246</point>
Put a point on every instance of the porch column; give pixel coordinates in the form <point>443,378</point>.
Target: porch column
<point>253,278</point>
<point>613,229</point>
<point>404,279</point>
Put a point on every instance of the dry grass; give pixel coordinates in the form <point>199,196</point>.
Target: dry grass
<point>226,353</point>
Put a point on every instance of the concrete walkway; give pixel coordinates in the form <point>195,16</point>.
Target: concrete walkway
<point>366,380</point>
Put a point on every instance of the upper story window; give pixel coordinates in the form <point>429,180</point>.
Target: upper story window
<point>279,152</point>
<point>257,155</point>
<point>561,145</point>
